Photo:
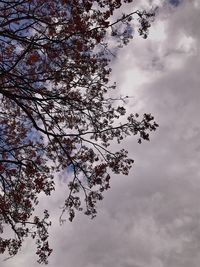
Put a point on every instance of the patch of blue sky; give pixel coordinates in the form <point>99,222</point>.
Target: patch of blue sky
<point>175,2</point>
<point>33,135</point>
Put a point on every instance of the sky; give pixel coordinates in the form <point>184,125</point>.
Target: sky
<point>152,217</point>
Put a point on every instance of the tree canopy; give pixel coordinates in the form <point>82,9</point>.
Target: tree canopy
<point>56,111</point>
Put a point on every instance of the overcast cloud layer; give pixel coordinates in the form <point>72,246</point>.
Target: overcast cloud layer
<point>152,217</point>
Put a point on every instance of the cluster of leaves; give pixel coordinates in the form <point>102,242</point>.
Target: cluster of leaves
<point>56,113</point>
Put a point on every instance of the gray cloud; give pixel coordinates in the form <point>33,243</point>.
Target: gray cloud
<point>152,217</point>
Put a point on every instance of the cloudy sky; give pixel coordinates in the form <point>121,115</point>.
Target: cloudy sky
<point>152,217</point>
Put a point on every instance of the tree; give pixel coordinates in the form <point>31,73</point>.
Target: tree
<point>56,111</point>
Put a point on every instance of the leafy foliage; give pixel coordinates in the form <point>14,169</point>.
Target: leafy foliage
<point>56,113</point>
